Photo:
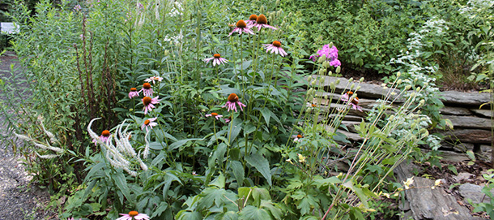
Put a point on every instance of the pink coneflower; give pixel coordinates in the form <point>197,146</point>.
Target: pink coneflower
<point>133,93</point>
<point>154,78</point>
<point>103,138</point>
<point>146,89</point>
<point>347,97</point>
<point>275,47</point>
<point>215,115</point>
<point>149,103</point>
<point>133,215</point>
<point>149,123</point>
<point>216,59</point>
<point>252,20</point>
<point>232,100</point>
<point>262,22</point>
<point>77,7</point>
<point>241,26</point>
<point>298,138</point>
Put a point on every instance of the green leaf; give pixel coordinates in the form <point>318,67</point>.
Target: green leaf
<point>219,181</point>
<point>361,195</point>
<point>230,215</point>
<point>266,113</point>
<point>238,171</point>
<point>276,212</point>
<point>307,204</point>
<point>235,130</point>
<point>161,208</point>
<point>181,143</point>
<point>121,183</point>
<point>251,212</point>
<point>453,169</point>
<point>261,164</point>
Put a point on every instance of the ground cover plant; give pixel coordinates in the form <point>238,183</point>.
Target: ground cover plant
<point>193,109</point>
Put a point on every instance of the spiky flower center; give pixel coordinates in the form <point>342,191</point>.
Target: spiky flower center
<point>355,101</point>
<point>146,86</point>
<point>147,122</point>
<point>241,24</point>
<point>233,97</point>
<point>146,100</point>
<point>214,114</point>
<point>133,213</point>
<point>105,133</point>
<point>133,89</point>
<point>216,55</point>
<point>299,136</point>
<point>253,17</point>
<point>261,19</point>
<point>313,105</point>
<point>276,43</point>
<point>349,93</point>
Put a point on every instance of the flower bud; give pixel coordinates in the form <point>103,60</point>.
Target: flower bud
<point>309,78</point>
<point>358,88</point>
<point>330,44</point>
<point>408,87</point>
<point>321,80</point>
<point>413,94</point>
<point>332,85</point>
<point>422,102</point>
<point>426,84</point>
<point>361,79</point>
<point>261,10</point>
<point>322,71</point>
<point>398,82</point>
<point>321,58</point>
<point>325,64</point>
<point>325,96</point>
<point>277,3</point>
<point>418,89</point>
<point>351,86</point>
<point>391,118</point>
<point>313,83</point>
<point>350,80</point>
<point>330,73</point>
<point>338,81</point>
<point>338,69</point>
<point>398,74</point>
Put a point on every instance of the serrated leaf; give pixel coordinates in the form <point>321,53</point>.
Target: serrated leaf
<point>251,212</point>
<point>121,183</point>
<point>360,194</point>
<point>261,164</point>
<point>238,171</point>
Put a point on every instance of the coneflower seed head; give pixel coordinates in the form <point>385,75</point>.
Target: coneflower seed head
<point>133,89</point>
<point>299,136</point>
<point>253,17</point>
<point>146,100</point>
<point>355,100</point>
<point>233,97</point>
<point>216,55</point>
<point>261,19</point>
<point>146,86</point>
<point>214,114</point>
<point>105,133</point>
<point>241,24</point>
<point>133,213</point>
<point>276,43</point>
<point>147,122</point>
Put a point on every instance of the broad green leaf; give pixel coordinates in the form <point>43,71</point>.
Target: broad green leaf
<point>238,171</point>
<point>276,212</point>
<point>266,113</point>
<point>251,212</point>
<point>121,183</point>
<point>235,129</point>
<point>219,181</point>
<point>261,164</point>
<point>361,195</point>
<point>181,143</point>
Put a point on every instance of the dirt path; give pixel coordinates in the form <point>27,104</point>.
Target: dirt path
<point>18,198</point>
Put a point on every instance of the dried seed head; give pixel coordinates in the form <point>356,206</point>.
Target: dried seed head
<point>233,97</point>
<point>241,24</point>
<point>261,19</point>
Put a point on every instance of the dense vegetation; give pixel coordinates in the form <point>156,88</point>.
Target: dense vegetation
<point>178,109</point>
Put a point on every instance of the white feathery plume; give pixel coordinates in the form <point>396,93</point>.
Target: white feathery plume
<point>146,148</point>
<point>52,137</point>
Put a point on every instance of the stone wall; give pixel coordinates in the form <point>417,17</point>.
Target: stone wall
<point>472,126</point>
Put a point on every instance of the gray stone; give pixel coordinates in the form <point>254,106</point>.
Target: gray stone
<point>460,147</point>
<point>428,203</point>
<point>476,136</point>
<point>366,90</point>
<point>473,192</point>
<point>483,112</point>
<point>462,176</point>
<point>446,110</point>
<point>468,121</point>
<point>465,98</point>
<point>450,155</point>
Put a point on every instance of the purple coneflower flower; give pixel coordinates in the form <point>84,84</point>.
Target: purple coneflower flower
<point>252,20</point>
<point>149,123</point>
<point>133,215</point>
<point>275,47</point>
<point>232,100</point>
<point>298,138</point>
<point>347,97</point>
<point>133,93</point>
<point>216,115</point>
<point>216,59</point>
<point>77,7</point>
<point>262,22</point>
<point>103,138</point>
<point>149,103</point>
<point>146,89</point>
<point>154,78</point>
<point>241,26</point>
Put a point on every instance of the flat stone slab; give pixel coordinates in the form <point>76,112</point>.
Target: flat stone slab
<point>465,98</point>
<point>483,112</point>
<point>475,136</point>
<point>446,110</point>
<point>469,122</point>
<point>473,192</point>
<point>428,203</point>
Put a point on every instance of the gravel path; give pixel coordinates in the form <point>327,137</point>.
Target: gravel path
<point>18,198</point>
